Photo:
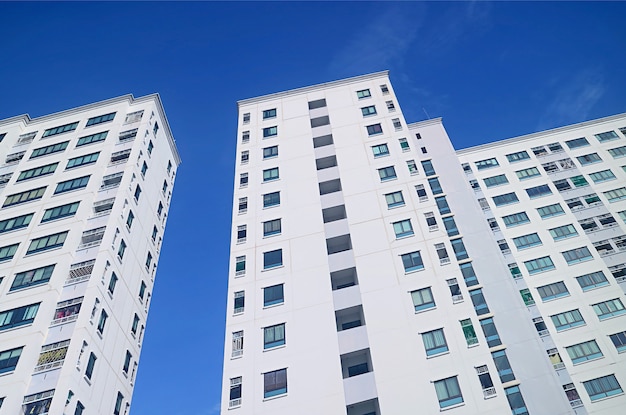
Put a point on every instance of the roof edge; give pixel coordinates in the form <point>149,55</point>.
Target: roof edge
<point>424,123</point>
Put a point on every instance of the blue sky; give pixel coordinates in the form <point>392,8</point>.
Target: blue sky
<point>491,70</point>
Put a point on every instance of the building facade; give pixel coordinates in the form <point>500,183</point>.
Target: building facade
<point>367,275</point>
<point>85,195</point>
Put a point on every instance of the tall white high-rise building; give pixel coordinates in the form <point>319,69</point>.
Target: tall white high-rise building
<point>84,198</point>
<point>375,270</point>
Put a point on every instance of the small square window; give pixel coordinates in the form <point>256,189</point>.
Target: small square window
<point>403,228</point>
<point>423,299</point>
<point>365,93</point>
<point>270,132</point>
<point>273,295</point>
<point>273,336</point>
<point>273,259</point>
<point>387,173</point>
<point>271,228</point>
<point>269,114</point>
<point>380,150</point>
<point>394,199</point>
<point>275,383</point>
<point>270,152</point>
<point>368,111</point>
<point>270,174</point>
<point>374,129</point>
<point>412,261</point>
<point>435,342</point>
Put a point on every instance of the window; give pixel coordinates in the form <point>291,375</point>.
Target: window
<point>403,228</point>
<point>338,244</point>
<point>129,219</point>
<point>442,254</point>
<point>469,275</point>
<point>412,262</point>
<point>137,193</point>
<point>32,277</point>
<point>270,152</point>
<point>435,186</point>
<point>421,192</point>
<point>46,243</point>
<point>127,135</point>
<point>519,156</point>
<point>387,173</point>
<point>394,199</point>
<point>516,401</point>
<point>102,321</point>
<point>272,227</point>
<point>239,302</point>
<point>90,365</point>
<point>237,346</point>
<point>380,150</point>
<point>582,352</point>
<point>270,132</point>
<point>320,121</point>
<point>567,320</point>
<point>100,119</point>
<point>574,256</point>
<point>155,130</point>
<point>459,249</point>
<point>384,89</point>
<point>93,138</point>
<point>271,199</point>
<point>275,383</point>
<point>486,164</point>
<point>51,149</point>
<point>602,137</point>
<point>390,106</point>
<point>242,231</point>
<point>334,213</point>
<point>448,392</point>
<point>79,408</point>
<point>15,223</point>
<point>148,260</point>
<point>442,205</point>
<point>274,336</point>
<point>579,181</point>
<point>603,387</point>
<point>133,327</point>
<point>619,341</point>
<point>429,170</point>
<point>504,367</point>
<point>245,157</point>
<point>7,252</point>
<point>589,159</point>
<point>270,174</point>
<point>496,180</point>
<point>142,290</point>
<point>468,332</point>
<point>602,176</point>
<point>563,232</point>
<point>73,184</point>
<point>272,259</point>
<point>37,172</point>
<point>59,130</point>
<point>269,113</point>
<point>527,173</point>
<point>82,160</point>
<point>527,241</point>
<point>243,206</point>
<point>609,309</point>
<point>9,359</point>
<point>505,199</point>
<point>618,152</point>
<point>550,210</point>
<point>592,280</point>
<point>24,197</point>
<point>150,147</point>
<point>325,162</point>
<point>374,129</point>
<point>111,180</point>
<point>577,142</point>
<point>121,250</point>
<point>243,180</point>
<point>515,219</point>
<point>478,300</point>
<point>118,404</point>
<point>365,93</point>
<point>235,392</point>
<point>535,266</point>
<point>319,103</point>
<point>367,111</point>
<point>553,291</point>
<point>612,196</point>
<point>423,299</point>
<point>431,221</point>
<point>538,191</point>
<point>246,118</point>
<point>132,117</point>
<point>490,332</point>
<point>424,151</point>
<point>434,342</point>
<point>127,360</point>
<point>18,316</point>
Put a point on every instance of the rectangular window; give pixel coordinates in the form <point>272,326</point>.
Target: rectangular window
<point>592,280</point>
<point>539,191</point>
<point>618,152</point>
<point>412,261</point>
<point>550,210</point>
<point>469,275</point>
<point>319,103</point>
<point>478,300</point>
<point>553,291</point>
<point>619,341</point>
<point>102,321</point>
<point>8,252</point>
<point>394,199</point>
<point>607,136</point>
<point>450,226</point>
<point>448,392</point>
<point>468,332</point>
<point>390,106</point>
<point>577,143</point>
<point>243,206</point>
<point>582,352</point>
<point>275,383</point>
<point>535,266</point>
<point>269,113</point>
<point>527,241</point>
<point>8,360</point>
<point>429,170</point>
<point>459,249</point>
<point>330,186</point>
<point>82,160</point>
<point>527,173</point>
<point>100,119</point>
<point>272,259</point>
<point>579,181</point>
<point>380,150</point>
<point>435,186</point>
<point>616,195</point>
<point>367,111</point>
<point>46,243</point>
<point>155,130</point>
<point>24,197</point>
<point>129,219</point>
<point>93,138</point>
<point>270,132</point>
<point>505,199</point>
<point>73,184</point>
<point>516,401</point>
<point>15,223</point>
<point>602,176</point>
<point>609,309</point>
<point>574,256</point>
<point>320,121</point>
<point>51,149</point>
<point>59,130</point>
<point>515,219</point>
<point>270,174</point>
<point>365,93</point>
<point>325,162</point>
<point>495,180</point>
<point>404,145</point>
<point>243,180</point>
<point>423,299</point>
<point>374,129</point>
<point>273,295</point>
<point>272,227</point>
<point>90,365</point>
<point>37,172</point>
<point>112,283</point>
<point>490,332</point>
<point>242,231</point>
<point>387,173</point>
<point>589,159</point>
<point>519,156</point>
<point>486,164</point>
<point>403,228</point>
<point>603,387</point>
<point>32,277</point>
<point>132,117</point>
<point>504,367</point>
<point>137,193</point>
<point>121,250</point>
<point>16,317</point>
<point>240,265</point>
<point>442,205</point>
<point>239,302</point>
<point>246,118</point>
<point>563,232</point>
<point>434,342</point>
<point>271,199</point>
<point>274,336</point>
<point>567,320</point>
<point>270,152</point>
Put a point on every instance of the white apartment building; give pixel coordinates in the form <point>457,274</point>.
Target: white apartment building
<point>375,270</point>
<point>84,198</point>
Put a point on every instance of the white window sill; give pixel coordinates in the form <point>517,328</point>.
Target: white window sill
<point>274,397</point>
<point>438,354</point>
<point>272,268</point>
<point>452,407</point>
<point>269,349</point>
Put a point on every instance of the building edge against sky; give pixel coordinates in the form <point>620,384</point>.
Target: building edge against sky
<point>85,194</point>
<point>374,268</point>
